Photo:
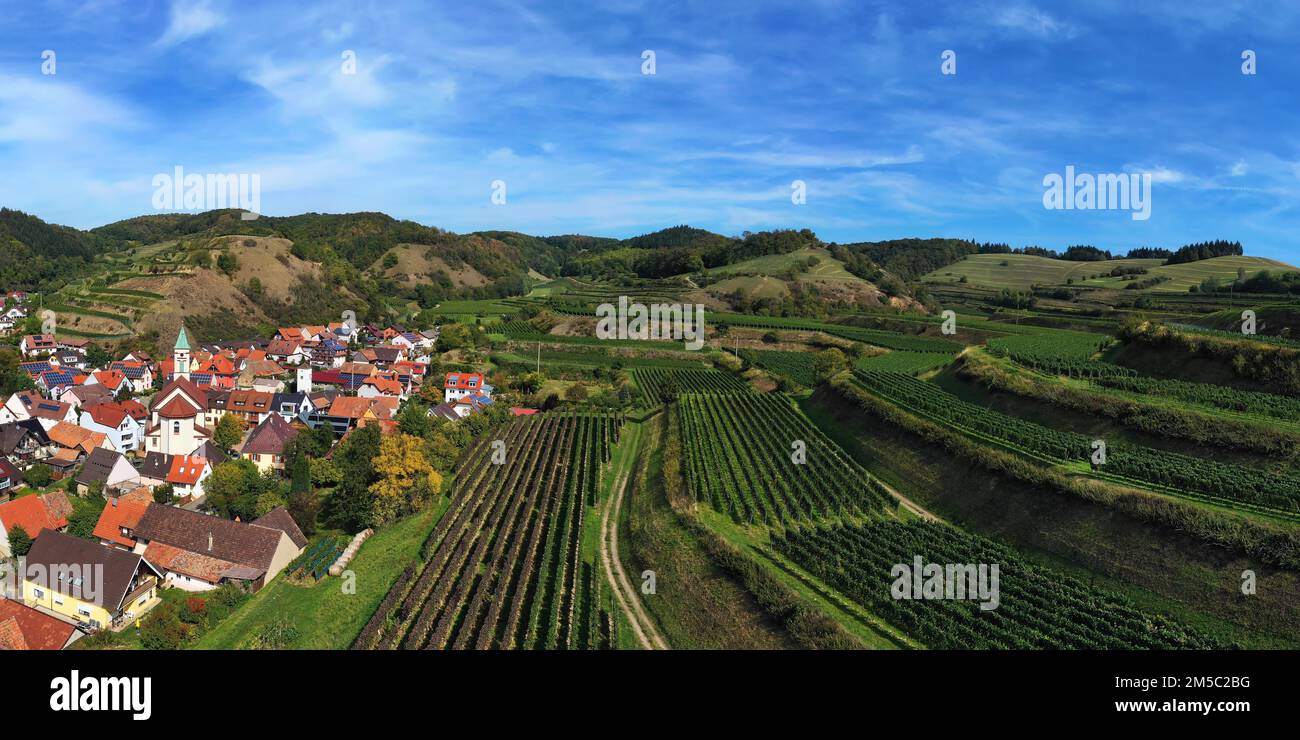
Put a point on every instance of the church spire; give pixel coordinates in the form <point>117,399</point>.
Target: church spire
<point>181,355</point>
<point>182,339</point>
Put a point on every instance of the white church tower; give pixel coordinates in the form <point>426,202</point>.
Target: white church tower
<point>181,356</point>
<point>304,380</point>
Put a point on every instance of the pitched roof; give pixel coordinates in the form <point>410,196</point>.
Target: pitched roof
<point>155,465</point>
<point>188,388</point>
<point>98,466</point>
<point>132,370</point>
<point>55,552</point>
<point>33,514</point>
<point>13,433</point>
<point>112,414</point>
<point>385,385</point>
<point>246,544</point>
<point>354,407</point>
<point>118,514</point>
<point>192,564</point>
<point>177,408</point>
<point>283,347</point>
<point>210,452</point>
<point>250,401</point>
<point>279,518</point>
<point>270,437</point>
<point>466,381</point>
<point>186,470</point>
<point>43,408</point>
<point>88,394</point>
<point>64,434</point>
<point>24,628</point>
<point>182,339</point>
<point>110,378</point>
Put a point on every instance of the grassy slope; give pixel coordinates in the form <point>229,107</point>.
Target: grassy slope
<point>1021,271</point>
<point>696,606</point>
<point>326,618</point>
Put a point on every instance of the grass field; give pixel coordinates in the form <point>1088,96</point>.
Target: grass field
<point>1182,277</point>
<point>828,268</point>
<point>327,618</point>
<point>1020,271</point>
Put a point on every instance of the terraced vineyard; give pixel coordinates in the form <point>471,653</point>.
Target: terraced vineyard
<point>1038,608</point>
<point>1231,399</point>
<point>912,363</point>
<point>1058,352</point>
<point>797,366</point>
<point>738,458</point>
<point>504,567</point>
<point>658,385</point>
<point>1193,477</point>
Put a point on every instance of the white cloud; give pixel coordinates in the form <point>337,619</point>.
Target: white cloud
<point>1239,168</point>
<point>189,18</point>
<point>1029,19</point>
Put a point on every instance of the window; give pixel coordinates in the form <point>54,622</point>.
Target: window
<point>83,611</point>
<point>58,599</point>
<point>176,427</point>
<point>37,593</point>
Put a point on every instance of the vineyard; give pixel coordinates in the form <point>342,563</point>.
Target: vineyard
<point>1231,399</point>
<point>1066,353</point>
<point>797,366</point>
<point>739,458</point>
<point>895,341</point>
<point>659,385</point>
<point>1194,477</point>
<point>911,363</point>
<point>504,567</point>
<point>1038,608</point>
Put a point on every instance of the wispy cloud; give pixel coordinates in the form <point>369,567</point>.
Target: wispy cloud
<point>189,18</point>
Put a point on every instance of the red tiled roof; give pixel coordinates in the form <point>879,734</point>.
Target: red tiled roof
<point>463,381</point>
<point>110,378</point>
<point>192,564</point>
<point>112,414</point>
<point>119,513</point>
<point>33,514</point>
<point>24,628</point>
<point>186,469</point>
<point>178,408</point>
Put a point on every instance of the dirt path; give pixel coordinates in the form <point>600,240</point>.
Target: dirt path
<point>646,632</point>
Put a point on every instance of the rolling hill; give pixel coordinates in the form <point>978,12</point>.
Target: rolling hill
<point>1020,271</point>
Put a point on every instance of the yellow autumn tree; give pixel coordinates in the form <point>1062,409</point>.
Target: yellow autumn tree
<point>404,472</point>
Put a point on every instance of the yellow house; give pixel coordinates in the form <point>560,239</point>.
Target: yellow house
<point>86,582</point>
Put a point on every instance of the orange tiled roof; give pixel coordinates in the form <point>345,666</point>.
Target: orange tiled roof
<point>119,513</point>
<point>33,514</point>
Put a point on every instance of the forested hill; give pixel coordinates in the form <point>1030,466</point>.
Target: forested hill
<point>33,252</point>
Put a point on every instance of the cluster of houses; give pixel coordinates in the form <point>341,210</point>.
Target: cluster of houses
<point>109,430</point>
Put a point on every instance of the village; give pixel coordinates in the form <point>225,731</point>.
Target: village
<point>112,489</point>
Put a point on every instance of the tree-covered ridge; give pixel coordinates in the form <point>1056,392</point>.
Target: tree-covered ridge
<point>682,249</point>
<point>1205,251</point>
<point>35,255</point>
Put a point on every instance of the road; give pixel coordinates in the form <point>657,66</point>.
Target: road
<point>626,594</point>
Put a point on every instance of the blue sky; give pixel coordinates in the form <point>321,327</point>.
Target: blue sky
<point>747,97</point>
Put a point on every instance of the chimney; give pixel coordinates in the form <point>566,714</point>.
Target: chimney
<point>209,542</point>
